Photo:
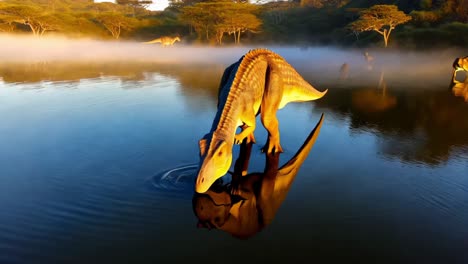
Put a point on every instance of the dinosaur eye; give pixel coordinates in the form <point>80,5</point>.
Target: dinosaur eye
<point>202,179</point>
<point>220,153</point>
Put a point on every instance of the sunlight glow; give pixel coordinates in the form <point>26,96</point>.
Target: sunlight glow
<point>156,5</point>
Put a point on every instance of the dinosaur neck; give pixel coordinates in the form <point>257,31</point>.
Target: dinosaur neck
<point>225,122</point>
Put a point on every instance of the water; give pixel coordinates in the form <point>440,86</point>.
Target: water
<point>96,163</point>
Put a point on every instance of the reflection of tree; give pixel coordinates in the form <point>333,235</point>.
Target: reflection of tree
<point>194,79</point>
<point>374,100</point>
<point>198,83</point>
<point>423,126</point>
<point>69,71</point>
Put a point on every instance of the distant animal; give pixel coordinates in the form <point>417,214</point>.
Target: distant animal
<point>369,60</point>
<point>260,82</point>
<point>368,57</point>
<point>460,64</point>
<point>344,71</point>
<point>165,41</point>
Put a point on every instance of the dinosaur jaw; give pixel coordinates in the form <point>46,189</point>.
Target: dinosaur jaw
<point>211,170</point>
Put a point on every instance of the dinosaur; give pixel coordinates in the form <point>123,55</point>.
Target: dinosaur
<point>165,41</point>
<point>344,71</point>
<point>460,64</point>
<point>260,82</point>
<point>249,204</point>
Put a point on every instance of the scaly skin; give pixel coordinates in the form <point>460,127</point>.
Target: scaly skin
<point>165,41</point>
<point>460,64</point>
<point>261,82</point>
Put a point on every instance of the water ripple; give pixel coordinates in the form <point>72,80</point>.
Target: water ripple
<point>176,180</point>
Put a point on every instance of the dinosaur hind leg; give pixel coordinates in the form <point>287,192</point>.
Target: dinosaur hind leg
<point>248,127</point>
<point>270,103</point>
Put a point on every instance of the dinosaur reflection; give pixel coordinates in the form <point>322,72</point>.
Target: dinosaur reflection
<point>249,203</point>
<point>460,89</point>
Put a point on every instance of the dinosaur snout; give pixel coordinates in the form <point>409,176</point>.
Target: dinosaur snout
<point>203,180</point>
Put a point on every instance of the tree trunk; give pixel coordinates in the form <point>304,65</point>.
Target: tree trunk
<point>238,36</point>
<point>33,29</point>
<point>386,34</point>
<point>117,33</point>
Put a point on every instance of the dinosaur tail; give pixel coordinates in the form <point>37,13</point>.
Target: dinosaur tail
<point>312,93</point>
<point>299,90</point>
<point>152,41</point>
<point>288,171</point>
<point>302,91</point>
<point>295,162</point>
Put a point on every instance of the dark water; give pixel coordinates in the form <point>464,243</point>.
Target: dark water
<point>96,163</point>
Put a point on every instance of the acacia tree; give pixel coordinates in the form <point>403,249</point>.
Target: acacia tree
<point>242,23</point>
<point>381,19</point>
<point>198,18</point>
<point>46,22</point>
<point>32,16</point>
<point>115,23</point>
<point>7,23</point>
<point>214,19</point>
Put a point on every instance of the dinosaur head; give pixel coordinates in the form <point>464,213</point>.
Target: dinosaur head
<point>460,64</point>
<point>215,161</point>
<point>211,208</point>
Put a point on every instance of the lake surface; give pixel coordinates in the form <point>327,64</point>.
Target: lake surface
<point>90,153</point>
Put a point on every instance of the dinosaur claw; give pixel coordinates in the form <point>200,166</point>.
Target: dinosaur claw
<point>272,148</point>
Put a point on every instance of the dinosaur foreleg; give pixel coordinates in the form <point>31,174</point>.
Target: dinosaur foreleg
<point>246,133</point>
<point>270,103</point>
<point>248,118</point>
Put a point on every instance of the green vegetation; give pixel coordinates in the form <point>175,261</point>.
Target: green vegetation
<point>221,22</point>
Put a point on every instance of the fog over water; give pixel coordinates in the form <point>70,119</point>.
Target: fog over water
<point>323,63</point>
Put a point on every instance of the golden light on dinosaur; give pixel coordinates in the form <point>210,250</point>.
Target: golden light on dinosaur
<point>260,82</point>
<point>460,64</point>
<point>460,89</point>
<point>165,41</point>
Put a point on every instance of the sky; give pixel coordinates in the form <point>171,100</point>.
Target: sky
<point>157,4</point>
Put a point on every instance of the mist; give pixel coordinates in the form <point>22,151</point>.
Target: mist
<point>319,65</point>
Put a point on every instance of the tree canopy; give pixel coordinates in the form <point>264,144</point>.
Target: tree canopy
<point>381,19</point>
<point>212,20</point>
